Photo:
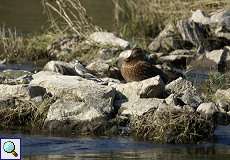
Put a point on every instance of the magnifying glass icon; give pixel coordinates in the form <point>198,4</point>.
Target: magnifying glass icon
<point>9,147</point>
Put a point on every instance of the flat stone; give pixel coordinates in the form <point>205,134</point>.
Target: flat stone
<point>106,38</point>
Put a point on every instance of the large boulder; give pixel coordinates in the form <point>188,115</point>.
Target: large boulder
<point>80,99</point>
<point>108,39</point>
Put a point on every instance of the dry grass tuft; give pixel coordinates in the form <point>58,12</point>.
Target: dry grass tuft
<point>25,113</point>
<point>173,126</point>
<point>69,16</point>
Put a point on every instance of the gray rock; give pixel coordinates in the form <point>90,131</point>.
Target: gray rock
<point>73,88</point>
<point>186,92</point>
<point>167,40</point>
<point>195,33</point>
<point>210,61</point>
<point>136,98</point>
<point>222,19</point>
<point>149,88</point>
<point>107,53</point>
<point>98,67</point>
<point>60,67</point>
<point>178,86</point>
<point>139,106</point>
<point>106,38</point>
<point>207,108</point>
<point>72,111</point>
<point>20,91</point>
<point>199,17</point>
<point>173,58</point>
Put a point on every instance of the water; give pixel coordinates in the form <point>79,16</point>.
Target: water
<point>42,147</point>
<point>27,16</point>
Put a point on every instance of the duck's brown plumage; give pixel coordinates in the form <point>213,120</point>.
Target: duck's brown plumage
<point>137,68</point>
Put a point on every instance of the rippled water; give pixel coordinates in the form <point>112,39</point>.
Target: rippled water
<point>38,147</point>
<point>28,15</point>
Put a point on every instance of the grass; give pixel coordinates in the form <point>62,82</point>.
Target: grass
<point>216,81</point>
<point>69,16</point>
<point>142,20</point>
<point>173,126</point>
<point>25,114</point>
<point>16,48</point>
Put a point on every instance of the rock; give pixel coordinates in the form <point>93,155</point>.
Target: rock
<point>186,92</point>
<point>149,88</point>
<point>60,67</point>
<point>167,40</point>
<point>207,108</point>
<point>106,38</point>
<point>107,53</point>
<point>20,91</point>
<point>216,60</point>
<point>195,33</point>
<point>73,88</point>
<point>199,17</point>
<point>74,68</point>
<point>222,19</point>
<point>72,111</point>
<point>80,102</point>
<point>223,105</point>
<point>136,98</point>
<point>99,67</point>
<point>178,86</point>
<point>139,106</point>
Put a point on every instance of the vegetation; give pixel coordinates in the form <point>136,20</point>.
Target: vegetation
<point>173,126</point>
<point>142,20</point>
<point>25,114</point>
<point>16,48</point>
<point>216,81</point>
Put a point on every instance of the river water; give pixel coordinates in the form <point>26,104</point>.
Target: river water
<point>45,147</point>
<point>28,15</point>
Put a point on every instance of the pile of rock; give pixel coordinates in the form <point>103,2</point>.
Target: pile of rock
<point>92,99</point>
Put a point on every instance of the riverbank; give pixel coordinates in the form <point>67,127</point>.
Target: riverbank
<point>81,91</point>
